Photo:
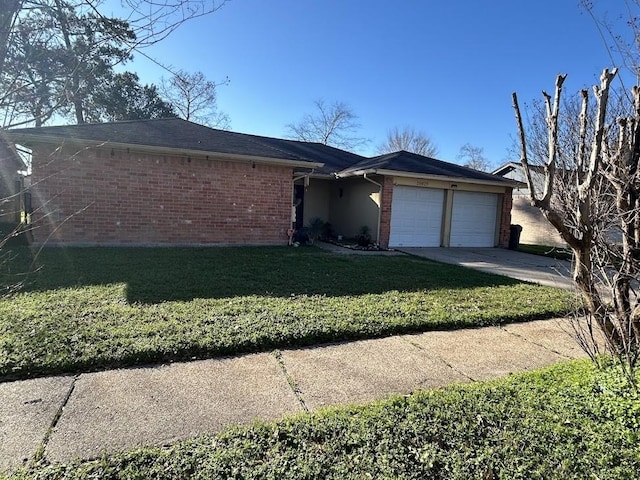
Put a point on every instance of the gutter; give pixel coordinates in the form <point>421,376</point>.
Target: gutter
<point>379,185</point>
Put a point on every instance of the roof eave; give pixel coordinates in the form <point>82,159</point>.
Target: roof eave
<point>54,139</point>
<point>446,178</point>
<point>318,175</point>
<point>505,168</point>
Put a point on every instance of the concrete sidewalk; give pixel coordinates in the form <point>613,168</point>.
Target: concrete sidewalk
<point>523,266</point>
<point>86,415</point>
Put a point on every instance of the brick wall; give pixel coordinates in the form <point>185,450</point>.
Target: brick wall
<point>505,218</point>
<point>101,196</point>
<point>385,215</point>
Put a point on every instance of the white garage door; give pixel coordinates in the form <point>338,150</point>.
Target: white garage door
<point>416,217</point>
<point>473,219</point>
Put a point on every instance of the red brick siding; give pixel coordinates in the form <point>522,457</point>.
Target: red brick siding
<point>100,196</point>
<point>505,218</point>
<point>385,215</point>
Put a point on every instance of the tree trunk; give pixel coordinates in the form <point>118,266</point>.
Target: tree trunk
<point>583,276</point>
<point>74,91</point>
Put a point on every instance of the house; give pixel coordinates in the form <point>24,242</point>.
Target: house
<point>536,230</point>
<point>173,182</point>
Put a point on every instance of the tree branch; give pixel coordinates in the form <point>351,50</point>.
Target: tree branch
<point>582,141</point>
<point>602,99</point>
<point>552,126</point>
<point>524,160</point>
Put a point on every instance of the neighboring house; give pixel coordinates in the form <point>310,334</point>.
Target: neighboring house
<point>11,186</point>
<point>536,229</point>
<point>172,182</point>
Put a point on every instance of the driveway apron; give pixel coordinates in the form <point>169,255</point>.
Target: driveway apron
<point>519,265</point>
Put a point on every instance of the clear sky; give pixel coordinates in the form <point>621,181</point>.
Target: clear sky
<point>445,67</point>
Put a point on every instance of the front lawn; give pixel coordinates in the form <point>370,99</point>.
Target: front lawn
<point>89,308</point>
<point>569,421</point>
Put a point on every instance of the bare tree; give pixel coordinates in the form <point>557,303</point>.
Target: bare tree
<point>600,220</point>
<point>331,124</point>
<point>410,140</point>
<point>473,157</point>
<point>623,49</point>
<point>154,21</point>
<point>194,98</point>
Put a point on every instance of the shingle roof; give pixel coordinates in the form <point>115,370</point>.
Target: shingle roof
<point>334,159</point>
<point>173,133</point>
<point>404,161</point>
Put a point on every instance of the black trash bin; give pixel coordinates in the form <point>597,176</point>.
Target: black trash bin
<point>514,236</point>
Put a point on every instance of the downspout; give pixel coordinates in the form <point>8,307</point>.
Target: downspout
<point>379,206</point>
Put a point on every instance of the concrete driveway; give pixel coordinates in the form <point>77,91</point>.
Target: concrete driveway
<point>523,266</point>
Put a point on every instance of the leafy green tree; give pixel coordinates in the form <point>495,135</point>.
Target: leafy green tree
<point>9,10</point>
<point>93,45</point>
<point>124,98</point>
<point>34,72</point>
<point>150,21</point>
<point>56,54</point>
<point>58,58</point>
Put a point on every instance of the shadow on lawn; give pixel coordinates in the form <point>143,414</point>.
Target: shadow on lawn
<point>155,275</point>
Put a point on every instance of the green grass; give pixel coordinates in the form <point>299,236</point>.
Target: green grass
<point>547,251</point>
<point>93,308</point>
<point>565,422</point>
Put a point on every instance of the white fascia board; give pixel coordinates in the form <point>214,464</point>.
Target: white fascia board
<point>444,178</point>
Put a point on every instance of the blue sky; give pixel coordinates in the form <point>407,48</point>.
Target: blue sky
<point>443,67</point>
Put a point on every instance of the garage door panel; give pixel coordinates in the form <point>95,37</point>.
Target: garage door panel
<point>474,219</point>
<point>416,217</point>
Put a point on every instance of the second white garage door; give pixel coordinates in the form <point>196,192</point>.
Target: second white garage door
<point>416,217</point>
<point>473,219</point>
